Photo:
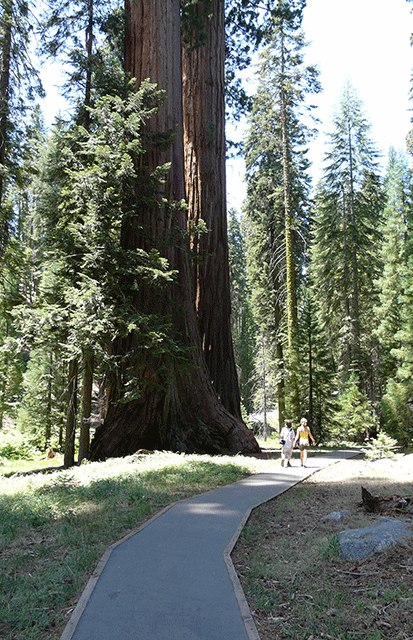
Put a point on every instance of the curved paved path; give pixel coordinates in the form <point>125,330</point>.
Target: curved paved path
<point>173,579</point>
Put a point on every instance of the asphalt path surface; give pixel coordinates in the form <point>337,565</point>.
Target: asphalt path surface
<point>173,578</point>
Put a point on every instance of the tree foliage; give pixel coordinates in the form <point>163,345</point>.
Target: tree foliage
<point>345,263</point>
<point>278,187</point>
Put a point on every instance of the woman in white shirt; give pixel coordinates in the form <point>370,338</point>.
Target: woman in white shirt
<point>287,437</point>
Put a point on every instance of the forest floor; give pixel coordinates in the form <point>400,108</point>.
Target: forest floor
<point>294,579</point>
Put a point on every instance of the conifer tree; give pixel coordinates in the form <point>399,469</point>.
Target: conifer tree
<point>18,279</point>
<point>72,30</point>
<point>397,304</point>
<point>355,418</point>
<point>243,326</point>
<point>203,87</point>
<point>278,183</point>
<point>19,84</point>
<point>316,368</point>
<point>397,218</point>
<point>345,261</point>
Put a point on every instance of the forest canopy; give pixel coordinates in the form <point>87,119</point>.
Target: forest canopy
<point>136,311</point>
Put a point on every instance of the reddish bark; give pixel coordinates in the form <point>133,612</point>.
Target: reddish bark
<point>203,76</point>
<point>178,408</point>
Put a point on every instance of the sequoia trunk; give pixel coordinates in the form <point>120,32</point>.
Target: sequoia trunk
<point>177,407</point>
<point>205,154</point>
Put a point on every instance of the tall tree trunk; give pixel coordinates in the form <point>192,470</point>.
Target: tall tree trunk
<point>177,408</point>
<point>89,49</point>
<point>203,78</point>
<point>264,391</point>
<point>310,370</point>
<point>289,247</point>
<point>48,425</point>
<point>347,356</point>
<point>84,437</point>
<point>355,316</point>
<point>88,360</point>
<point>280,385</point>
<point>7,21</point>
<point>69,455</point>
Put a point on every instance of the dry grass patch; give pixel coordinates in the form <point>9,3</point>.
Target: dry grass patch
<point>296,583</point>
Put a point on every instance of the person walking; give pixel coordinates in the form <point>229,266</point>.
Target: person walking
<point>287,437</point>
<point>303,437</point>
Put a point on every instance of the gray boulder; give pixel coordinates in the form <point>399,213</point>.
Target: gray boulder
<point>355,544</point>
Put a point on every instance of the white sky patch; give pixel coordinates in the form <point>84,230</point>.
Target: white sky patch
<point>368,43</point>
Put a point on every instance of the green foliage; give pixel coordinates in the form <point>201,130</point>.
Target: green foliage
<point>15,446</point>
<point>278,191</point>
<point>344,260</point>
<point>397,410</point>
<point>395,309</point>
<point>381,447</point>
<point>242,322</point>
<point>77,34</point>
<point>248,25</point>
<point>355,417</point>
<point>89,283</point>
<point>316,369</point>
<point>41,411</point>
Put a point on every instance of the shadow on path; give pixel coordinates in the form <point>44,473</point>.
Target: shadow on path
<point>173,578</point>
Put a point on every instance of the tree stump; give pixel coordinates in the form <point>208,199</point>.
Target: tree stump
<point>383,504</point>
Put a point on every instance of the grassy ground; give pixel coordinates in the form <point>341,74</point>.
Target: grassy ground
<point>288,562</point>
<point>55,526</point>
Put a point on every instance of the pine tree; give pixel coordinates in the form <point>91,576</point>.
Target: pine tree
<point>397,402</point>
<point>41,411</point>
<point>355,418</point>
<point>316,368</point>
<point>345,261</point>
<point>278,182</point>
<point>18,280</point>
<point>72,30</point>
<point>19,85</point>
<point>397,217</point>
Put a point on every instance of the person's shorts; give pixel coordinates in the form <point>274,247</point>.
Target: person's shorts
<point>287,452</point>
<point>304,445</point>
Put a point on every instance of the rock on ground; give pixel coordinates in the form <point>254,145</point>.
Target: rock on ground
<point>356,544</point>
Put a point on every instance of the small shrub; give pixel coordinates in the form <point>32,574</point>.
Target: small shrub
<point>381,447</point>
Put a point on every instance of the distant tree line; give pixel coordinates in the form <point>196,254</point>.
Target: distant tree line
<point>338,338</point>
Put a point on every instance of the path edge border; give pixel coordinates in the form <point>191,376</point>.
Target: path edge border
<point>246,614</point>
<point>245,610</point>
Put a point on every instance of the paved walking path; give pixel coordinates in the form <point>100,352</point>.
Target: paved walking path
<point>173,579</point>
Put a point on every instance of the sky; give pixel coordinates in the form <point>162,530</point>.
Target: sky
<point>368,43</point>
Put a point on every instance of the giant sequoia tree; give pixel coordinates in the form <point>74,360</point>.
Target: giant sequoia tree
<point>174,405</point>
<point>205,155</point>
